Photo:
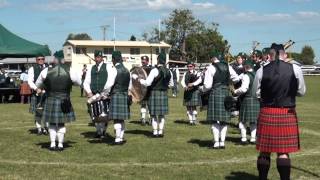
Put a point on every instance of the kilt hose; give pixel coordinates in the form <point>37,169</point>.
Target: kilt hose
<point>25,89</point>
<point>192,98</point>
<point>158,103</point>
<point>52,112</point>
<point>277,130</point>
<point>249,110</point>
<point>216,109</point>
<point>119,108</point>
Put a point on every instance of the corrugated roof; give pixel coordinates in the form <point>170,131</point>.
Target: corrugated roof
<point>116,43</point>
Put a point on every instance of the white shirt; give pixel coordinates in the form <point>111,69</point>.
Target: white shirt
<point>178,74</point>
<point>297,72</point>
<point>245,83</point>
<point>197,82</point>
<point>210,72</point>
<point>153,74</point>
<point>74,76</point>
<point>24,77</point>
<point>87,80</point>
<point>31,81</point>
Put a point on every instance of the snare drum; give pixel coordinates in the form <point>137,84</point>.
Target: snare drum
<point>99,111</point>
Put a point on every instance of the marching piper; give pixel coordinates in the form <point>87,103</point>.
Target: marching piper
<point>216,80</point>
<point>94,82</point>
<point>159,80</point>
<point>117,88</point>
<point>58,110</point>
<point>277,84</point>
<point>33,74</point>
<point>191,99</point>
<point>249,104</point>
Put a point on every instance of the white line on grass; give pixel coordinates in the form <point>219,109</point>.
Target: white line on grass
<point>160,164</point>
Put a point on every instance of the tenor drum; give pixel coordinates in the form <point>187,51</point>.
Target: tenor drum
<point>99,111</point>
<point>138,91</point>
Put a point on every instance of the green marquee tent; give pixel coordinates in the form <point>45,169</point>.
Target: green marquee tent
<point>13,46</point>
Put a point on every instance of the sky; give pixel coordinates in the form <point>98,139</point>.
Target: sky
<point>240,21</point>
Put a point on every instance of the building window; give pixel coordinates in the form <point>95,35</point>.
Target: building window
<point>80,50</point>
<point>107,50</point>
<point>163,50</point>
<point>135,51</point>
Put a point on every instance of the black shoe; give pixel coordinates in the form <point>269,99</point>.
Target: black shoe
<point>44,131</point>
<point>117,143</point>
<point>97,135</point>
<point>155,135</point>
<point>52,148</point>
<point>244,143</point>
<point>222,147</point>
<point>39,133</point>
<point>160,135</point>
<point>60,148</point>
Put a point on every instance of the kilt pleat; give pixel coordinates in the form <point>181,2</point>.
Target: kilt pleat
<point>52,112</point>
<point>249,110</point>
<point>192,98</point>
<point>278,130</point>
<point>158,103</point>
<point>119,108</point>
<point>25,89</point>
<point>216,109</point>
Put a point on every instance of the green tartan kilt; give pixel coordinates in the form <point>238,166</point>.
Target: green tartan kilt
<point>249,110</point>
<point>52,112</point>
<point>33,107</point>
<point>119,108</point>
<point>158,103</point>
<point>216,109</point>
<point>192,98</point>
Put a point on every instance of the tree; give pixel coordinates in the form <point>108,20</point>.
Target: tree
<point>133,38</point>
<point>178,26</point>
<point>307,55</point>
<point>295,56</point>
<point>80,36</point>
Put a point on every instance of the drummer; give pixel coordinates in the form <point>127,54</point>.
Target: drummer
<point>159,80</point>
<point>144,108</point>
<point>95,80</point>
<point>191,99</point>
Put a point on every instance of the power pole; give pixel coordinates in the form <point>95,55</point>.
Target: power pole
<point>104,30</point>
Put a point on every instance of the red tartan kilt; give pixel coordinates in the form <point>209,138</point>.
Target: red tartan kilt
<point>25,89</point>
<point>277,130</point>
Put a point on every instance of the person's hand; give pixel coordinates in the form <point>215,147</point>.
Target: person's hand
<point>134,76</point>
<point>190,85</point>
<point>200,88</point>
<point>89,95</point>
<point>39,91</point>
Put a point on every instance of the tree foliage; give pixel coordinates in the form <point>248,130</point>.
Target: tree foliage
<point>80,36</point>
<point>189,37</point>
<point>307,55</point>
<point>133,38</point>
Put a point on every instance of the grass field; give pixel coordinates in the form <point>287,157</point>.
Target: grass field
<point>182,154</point>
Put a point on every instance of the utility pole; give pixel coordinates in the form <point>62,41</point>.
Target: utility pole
<point>104,30</point>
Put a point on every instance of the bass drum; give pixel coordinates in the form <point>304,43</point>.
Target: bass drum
<point>138,91</point>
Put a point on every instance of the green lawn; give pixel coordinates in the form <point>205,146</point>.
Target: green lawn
<point>182,154</point>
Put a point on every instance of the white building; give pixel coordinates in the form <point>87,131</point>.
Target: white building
<point>80,52</point>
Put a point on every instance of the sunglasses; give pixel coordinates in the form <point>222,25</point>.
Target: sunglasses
<point>40,58</point>
<point>189,66</point>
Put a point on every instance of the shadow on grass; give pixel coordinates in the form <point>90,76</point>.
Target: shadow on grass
<point>205,122</point>
<point>201,143</point>
<point>181,121</point>
<point>241,176</point>
<point>146,133</point>
<point>306,171</point>
<point>90,135</point>
<point>46,145</point>
<point>33,131</point>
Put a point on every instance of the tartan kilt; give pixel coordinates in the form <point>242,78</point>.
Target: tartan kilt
<point>33,105</point>
<point>192,98</point>
<point>119,108</point>
<point>25,89</point>
<point>249,110</point>
<point>216,109</point>
<point>52,112</point>
<point>277,130</point>
<point>158,103</point>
